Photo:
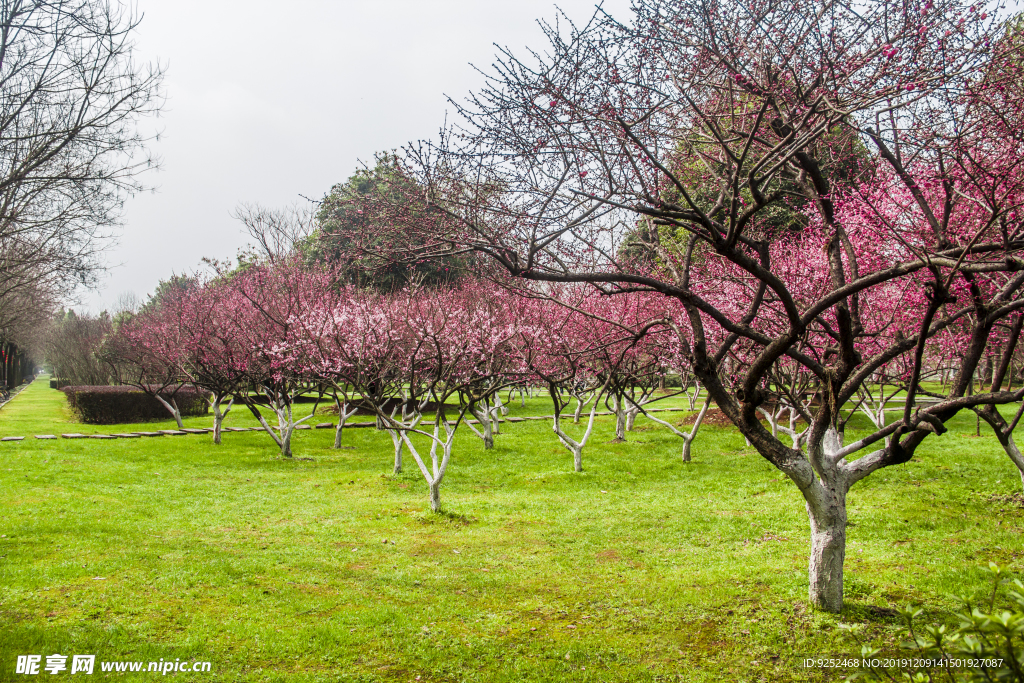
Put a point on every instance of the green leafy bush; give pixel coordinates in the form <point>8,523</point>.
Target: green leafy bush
<point>986,645</point>
<point>119,405</point>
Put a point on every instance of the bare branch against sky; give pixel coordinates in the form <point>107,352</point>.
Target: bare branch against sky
<point>264,106</point>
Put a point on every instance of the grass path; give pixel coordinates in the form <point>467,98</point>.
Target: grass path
<point>642,568</point>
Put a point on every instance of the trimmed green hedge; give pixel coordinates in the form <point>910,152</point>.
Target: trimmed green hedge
<point>104,405</point>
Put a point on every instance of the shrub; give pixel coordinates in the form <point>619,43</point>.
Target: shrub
<point>986,645</point>
<point>118,405</point>
<point>53,382</point>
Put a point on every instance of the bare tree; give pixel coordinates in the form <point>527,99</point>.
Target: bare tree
<point>71,96</point>
<point>72,347</point>
<point>276,232</point>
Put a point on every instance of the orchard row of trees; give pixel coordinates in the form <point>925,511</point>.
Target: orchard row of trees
<point>269,333</point>
<point>829,195</point>
<point>811,207</point>
<point>430,361</point>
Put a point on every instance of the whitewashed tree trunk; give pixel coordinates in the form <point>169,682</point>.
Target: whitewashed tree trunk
<point>396,440</point>
<point>620,417</point>
<point>343,416</point>
<point>410,420</point>
<point>499,406</point>
<point>825,499</point>
<point>481,412</point>
<point>497,411</point>
<point>435,474</point>
<point>219,415</point>
<point>798,439</point>
<point>696,394</point>
<point>633,406</point>
<point>286,422</point>
<point>435,495</point>
<point>581,403</point>
<point>828,551</point>
<point>1005,437</point>
<point>1010,446</point>
<point>575,447</point>
<point>172,408</point>
<point>687,437</point>
<point>631,418</point>
<point>874,409</point>
<point>772,417</point>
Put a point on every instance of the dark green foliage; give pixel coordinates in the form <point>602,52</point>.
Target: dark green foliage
<point>116,405</point>
<point>166,288</point>
<point>346,237</point>
<point>987,643</point>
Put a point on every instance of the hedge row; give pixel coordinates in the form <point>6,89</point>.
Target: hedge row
<point>106,405</point>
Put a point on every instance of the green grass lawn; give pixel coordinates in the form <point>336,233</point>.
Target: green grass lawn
<point>327,568</point>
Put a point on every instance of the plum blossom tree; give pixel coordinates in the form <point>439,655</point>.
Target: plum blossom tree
<point>146,351</point>
<point>727,127</point>
<point>461,338</point>
<point>213,357</point>
<point>575,351</point>
<point>265,302</point>
<point>446,348</point>
<point>355,344</point>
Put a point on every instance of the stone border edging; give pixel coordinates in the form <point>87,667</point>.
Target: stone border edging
<point>323,425</point>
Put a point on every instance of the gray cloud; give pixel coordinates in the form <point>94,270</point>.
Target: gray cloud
<point>267,101</point>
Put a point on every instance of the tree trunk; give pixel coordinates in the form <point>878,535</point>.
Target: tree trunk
<point>488,434</point>
<point>1010,446</point>
<point>177,414</point>
<point>828,547</point>
<point>172,408</point>
<point>620,420</point>
<point>482,414</point>
<point>396,439</point>
<point>218,417</point>
<point>286,426</point>
<point>575,447</point>
<point>686,449</point>
<point>435,495</point>
<point>1005,437</point>
<point>495,413</point>
<point>286,445</point>
<point>579,409</point>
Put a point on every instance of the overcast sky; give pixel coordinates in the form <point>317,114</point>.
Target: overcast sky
<point>267,101</point>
